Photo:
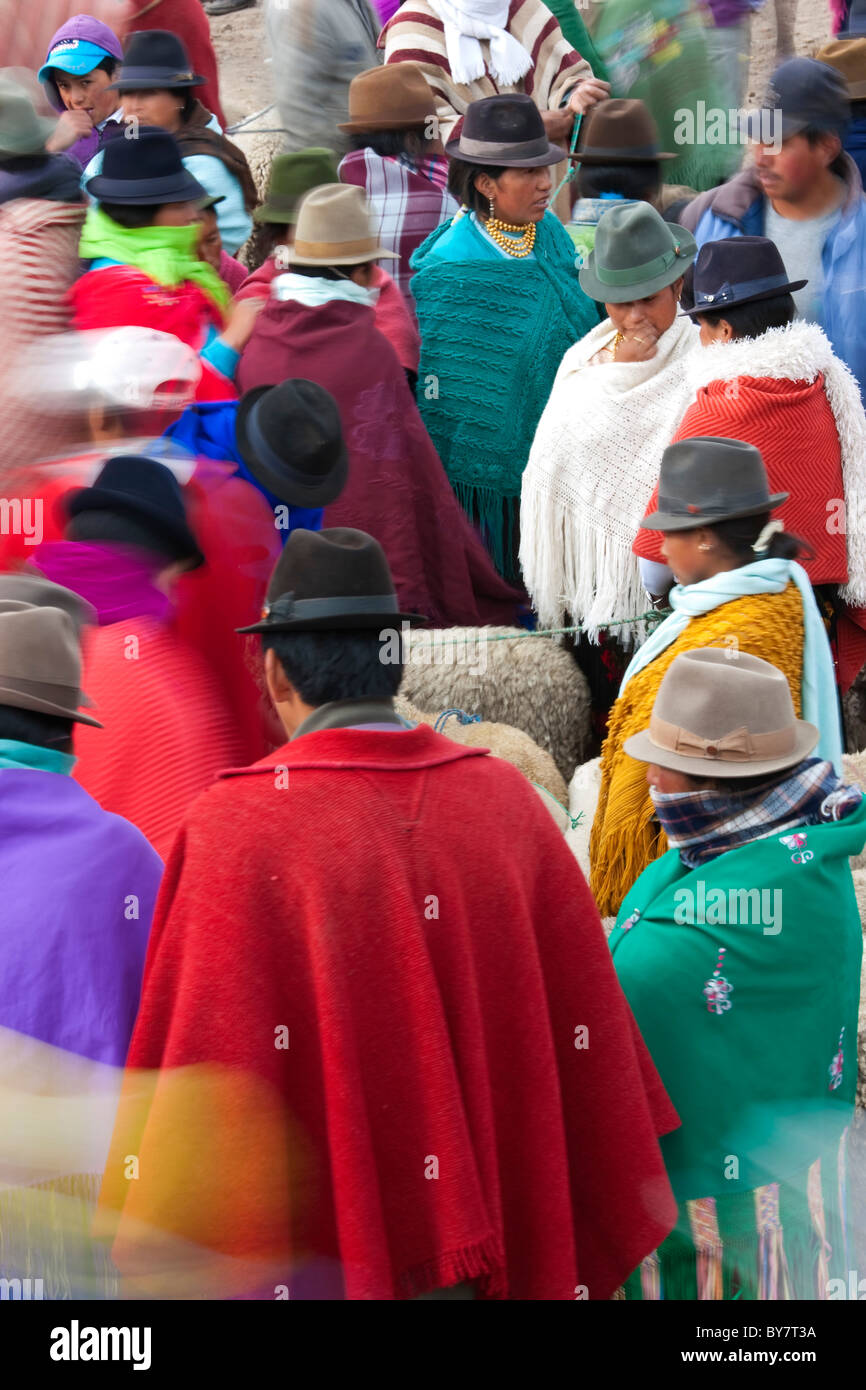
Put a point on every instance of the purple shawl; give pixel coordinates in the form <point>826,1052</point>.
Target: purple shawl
<point>79,889</point>
<point>117,580</point>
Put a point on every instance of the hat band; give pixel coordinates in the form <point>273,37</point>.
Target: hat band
<point>269,456</point>
<point>619,152</point>
<point>636,274</point>
<point>671,506</point>
<point>288,608</point>
<point>494,150</point>
<point>325,250</point>
<point>742,289</point>
<point>42,690</point>
<point>739,746</point>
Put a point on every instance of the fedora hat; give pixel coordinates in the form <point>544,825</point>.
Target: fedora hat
<point>739,270</point>
<point>336,580</point>
<point>507,131</point>
<point>333,228</point>
<point>40,661</point>
<point>291,176</point>
<point>156,59</point>
<point>146,492</point>
<point>848,57</point>
<point>147,171</point>
<point>21,589</point>
<point>636,253</point>
<point>706,480</point>
<point>291,439</point>
<point>620,131</point>
<point>714,717</point>
<point>22,132</point>
<point>393,96</point>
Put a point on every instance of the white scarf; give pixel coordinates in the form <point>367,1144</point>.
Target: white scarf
<point>313,291</point>
<point>467,21</point>
<point>593,465</point>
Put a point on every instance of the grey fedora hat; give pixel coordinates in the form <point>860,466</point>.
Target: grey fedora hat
<point>718,718</point>
<point>40,661</point>
<point>706,480</point>
<point>636,254</point>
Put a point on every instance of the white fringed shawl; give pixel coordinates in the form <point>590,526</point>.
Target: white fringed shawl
<point>593,465</point>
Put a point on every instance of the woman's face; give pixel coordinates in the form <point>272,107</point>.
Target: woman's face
<point>88,93</point>
<point>160,108</point>
<point>664,779</point>
<point>209,240</point>
<point>519,195</point>
<point>176,215</point>
<point>656,313</point>
<point>692,555</point>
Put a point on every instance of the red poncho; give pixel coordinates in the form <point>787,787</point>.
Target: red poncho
<point>115,296</point>
<point>397,489</point>
<point>389,1049</point>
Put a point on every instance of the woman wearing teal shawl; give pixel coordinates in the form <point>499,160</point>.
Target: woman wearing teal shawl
<point>499,302</point>
<point>739,953</point>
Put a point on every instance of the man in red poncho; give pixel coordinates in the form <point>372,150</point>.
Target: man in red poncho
<point>381,1049</point>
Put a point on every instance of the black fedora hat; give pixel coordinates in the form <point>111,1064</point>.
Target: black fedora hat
<point>706,480</point>
<point>335,580</point>
<point>507,131</point>
<point>149,494</point>
<point>146,171</point>
<point>291,439</point>
<point>155,59</point>
<point>738,270</point>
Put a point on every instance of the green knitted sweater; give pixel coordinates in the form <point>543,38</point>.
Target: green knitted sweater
<point>493,333</point>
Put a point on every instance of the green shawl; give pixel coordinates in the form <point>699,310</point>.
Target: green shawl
<point>166,254</point>
<point>493,333</point>
<point>573,28</point>
<point>766,1080</point>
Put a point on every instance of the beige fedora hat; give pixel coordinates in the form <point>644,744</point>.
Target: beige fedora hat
<point>333,228</point>
<point>719,716</point>
<point>40,661</point>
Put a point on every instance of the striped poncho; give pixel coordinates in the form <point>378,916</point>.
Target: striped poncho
<point>416,34</point>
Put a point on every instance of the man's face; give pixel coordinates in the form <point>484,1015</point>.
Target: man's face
<point>789,172</point>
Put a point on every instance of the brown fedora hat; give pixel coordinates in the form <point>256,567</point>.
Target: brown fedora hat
<point>714,717</point>
<point>333,228</point>
<point>391,97</point>
<point>847,56</point>
<point>620,131</point>
<point>40,661</point>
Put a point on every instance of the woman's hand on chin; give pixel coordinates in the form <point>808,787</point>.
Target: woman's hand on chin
<point>639,346</point>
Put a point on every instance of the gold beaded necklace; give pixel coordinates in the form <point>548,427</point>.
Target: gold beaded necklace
<point>519,243</point>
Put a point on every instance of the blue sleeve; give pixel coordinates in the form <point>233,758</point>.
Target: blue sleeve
<point>221,357</point>
<point>234,222</point>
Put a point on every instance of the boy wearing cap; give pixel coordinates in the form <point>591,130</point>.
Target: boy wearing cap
<point>332,998</point>
<point>804,193</point>
<point>77,75</point>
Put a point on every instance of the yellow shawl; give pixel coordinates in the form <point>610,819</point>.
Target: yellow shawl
<point>626,837</point>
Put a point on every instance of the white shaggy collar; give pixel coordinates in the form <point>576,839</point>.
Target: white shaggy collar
<point>799,352</point>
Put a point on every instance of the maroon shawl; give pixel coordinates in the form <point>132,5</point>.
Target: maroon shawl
<point>397,489</point>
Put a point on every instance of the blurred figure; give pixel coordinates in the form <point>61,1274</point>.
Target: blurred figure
<point>79,888</point>
<point>729,45</point>
<point>317,47</point>
<point>848,57</point>
<point>79,67</point>
<point>398,1064</point>
<point>41,214</point>
<point>618,159</point>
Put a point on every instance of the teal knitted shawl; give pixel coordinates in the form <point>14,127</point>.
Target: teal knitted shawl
<point>493,333</point>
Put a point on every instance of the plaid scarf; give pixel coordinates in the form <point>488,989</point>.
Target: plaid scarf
<point>704,824</point>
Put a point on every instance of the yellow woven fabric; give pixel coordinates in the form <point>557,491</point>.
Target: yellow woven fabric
<point>626,837</point>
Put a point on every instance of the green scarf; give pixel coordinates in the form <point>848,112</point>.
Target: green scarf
<point>30,756</point>
<point>166,254</point>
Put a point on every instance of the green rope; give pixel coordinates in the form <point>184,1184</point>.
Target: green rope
<point>567,178</point>
<point>655,615</point>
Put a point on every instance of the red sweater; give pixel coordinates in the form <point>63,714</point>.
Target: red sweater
<point>376,1032</point>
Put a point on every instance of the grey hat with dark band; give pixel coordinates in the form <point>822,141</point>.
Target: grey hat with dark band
<point>705,480</point>
<point>504,131</point>
<point>636,254</point>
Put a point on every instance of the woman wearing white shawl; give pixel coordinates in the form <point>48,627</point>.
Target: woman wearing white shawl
<point>616,402</point>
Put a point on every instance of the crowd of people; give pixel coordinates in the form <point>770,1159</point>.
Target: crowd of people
<point>301,997</point>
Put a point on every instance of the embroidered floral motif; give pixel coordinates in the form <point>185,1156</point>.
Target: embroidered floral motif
<point>837,1064</point>
<point>717,988</point>
<point>630,921</point>
<point>796,843</point>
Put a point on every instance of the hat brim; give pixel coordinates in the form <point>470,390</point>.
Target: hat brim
<point>643,750</point>
<point>554,154</point>
<point>96,498</point>
<point>178,188</point>
<point>668,521</point>
<point>76,65</point>
<point>350,622</point>
<point>265,213</point>
<point>624,294</point>
<point>20,701</point>
<point>291,488</point>
<point>150,80</point>
<point>747,299</point>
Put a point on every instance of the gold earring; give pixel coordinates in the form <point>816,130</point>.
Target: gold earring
<point>492,209</point>
<point>704,545</point>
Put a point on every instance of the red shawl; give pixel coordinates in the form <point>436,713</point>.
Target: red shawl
<point>377,1063</point>
<point>118,295</point>
<point>397,489</point>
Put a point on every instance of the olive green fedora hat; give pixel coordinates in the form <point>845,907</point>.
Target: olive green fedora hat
<point>22,132</point>
<point>636,254</point>
<point>293,175</point>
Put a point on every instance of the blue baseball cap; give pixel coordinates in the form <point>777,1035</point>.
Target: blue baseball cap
<point>75,56</point>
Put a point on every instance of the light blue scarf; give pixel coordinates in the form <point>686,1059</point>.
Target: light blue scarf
<point>819,697</point>
<point>33,758</point>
